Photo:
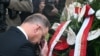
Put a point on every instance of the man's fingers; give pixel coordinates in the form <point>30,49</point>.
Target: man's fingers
<point>44,50</point>
<point>45,44</point>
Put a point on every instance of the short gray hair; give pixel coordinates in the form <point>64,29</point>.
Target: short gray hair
<point>38,18</point>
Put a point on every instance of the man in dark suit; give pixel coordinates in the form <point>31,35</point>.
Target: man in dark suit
<point>21,40</point>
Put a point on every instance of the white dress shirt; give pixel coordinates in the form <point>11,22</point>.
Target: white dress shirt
<point>22,31</point>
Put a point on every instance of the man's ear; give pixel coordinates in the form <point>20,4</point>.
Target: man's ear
<point>36,28</point>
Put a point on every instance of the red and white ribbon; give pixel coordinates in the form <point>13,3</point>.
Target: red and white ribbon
<point>56,36</point>
<point>81,38</point>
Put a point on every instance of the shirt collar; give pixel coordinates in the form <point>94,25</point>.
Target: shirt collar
<point>22,31</point>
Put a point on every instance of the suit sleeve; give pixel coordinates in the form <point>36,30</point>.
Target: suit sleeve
<point>26,51</point>
<point>21,5</point>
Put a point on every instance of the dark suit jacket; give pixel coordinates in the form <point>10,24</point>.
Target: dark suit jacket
<point>14,43</point>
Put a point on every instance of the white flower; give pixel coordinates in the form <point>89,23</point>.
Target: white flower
<point>98,14</point>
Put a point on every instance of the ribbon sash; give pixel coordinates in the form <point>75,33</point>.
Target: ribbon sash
<point>57,36</point>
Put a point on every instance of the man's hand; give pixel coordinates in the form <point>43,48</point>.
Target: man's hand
<point>44,49</point>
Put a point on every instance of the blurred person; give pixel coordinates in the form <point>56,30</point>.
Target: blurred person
<point>16,6</point>
<point>53,10</point>
<point>9,9</point>
<point>45,7</point>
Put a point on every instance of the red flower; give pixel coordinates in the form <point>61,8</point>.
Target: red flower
<point>62,44</point>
